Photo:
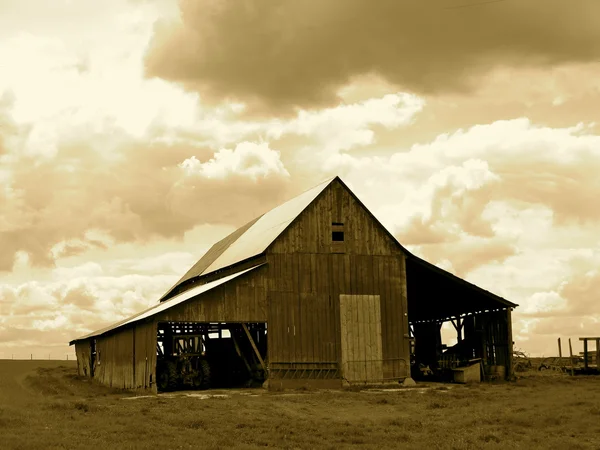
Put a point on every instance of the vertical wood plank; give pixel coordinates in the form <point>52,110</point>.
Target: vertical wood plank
<point>344,336</point>
<point>377,335</point>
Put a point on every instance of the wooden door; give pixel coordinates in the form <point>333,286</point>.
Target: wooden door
<point>360,328</point>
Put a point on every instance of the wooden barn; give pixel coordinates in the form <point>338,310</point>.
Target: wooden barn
<point>314,292</point>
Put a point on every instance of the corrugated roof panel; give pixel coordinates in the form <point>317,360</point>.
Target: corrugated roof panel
<point>177,300</point>
<point>266,229</point>
<point>211,255</point>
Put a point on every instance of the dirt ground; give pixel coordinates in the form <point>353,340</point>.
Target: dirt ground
<point>45,405</point>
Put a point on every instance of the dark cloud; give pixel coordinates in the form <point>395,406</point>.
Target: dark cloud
<point>282,54</point>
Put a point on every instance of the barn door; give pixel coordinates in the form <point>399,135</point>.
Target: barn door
<point>360,328</point>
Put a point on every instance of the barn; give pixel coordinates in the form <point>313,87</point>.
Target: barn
<point>315,292</point>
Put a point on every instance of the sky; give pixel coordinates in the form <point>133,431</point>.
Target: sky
<point>136,133</point>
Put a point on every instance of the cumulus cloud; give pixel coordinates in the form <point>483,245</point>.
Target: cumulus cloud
<point>125,188</point>
<point>248,159</point>
<point>78,300</point>
<point>446,205</point>
<point>133,202</point>
<point>90,291</point>
<point>102,160</point>
<point>478,175</point>
<point>505,205</point>
<point>298,54</point>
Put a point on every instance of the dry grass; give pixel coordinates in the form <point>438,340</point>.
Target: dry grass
<point>52,408</point>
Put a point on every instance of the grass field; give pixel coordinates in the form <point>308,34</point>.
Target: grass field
<point>45,405</point>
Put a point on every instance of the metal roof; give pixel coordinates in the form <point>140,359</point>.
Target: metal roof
<point>253,238</point>
<point>161,307</point>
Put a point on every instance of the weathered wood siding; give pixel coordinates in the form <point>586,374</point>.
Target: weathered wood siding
<point>307,276</point>
<point>144,358</point>
<point>114,359</point>
<point>311,232</point>
<point>127,358</point>
<point>83,354</point>
<point>243,299</point>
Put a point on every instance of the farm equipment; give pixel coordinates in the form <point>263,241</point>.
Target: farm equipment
<point>521,362</point>
<point>557,364</point>
<point>188,368</point>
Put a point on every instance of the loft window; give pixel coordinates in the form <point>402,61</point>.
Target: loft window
<point>337,232</point>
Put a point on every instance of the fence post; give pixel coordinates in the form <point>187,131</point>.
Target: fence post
<point>571,354</point>
<point>559,350</point>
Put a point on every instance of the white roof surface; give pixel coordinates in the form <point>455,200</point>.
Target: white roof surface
<point>265,230</point>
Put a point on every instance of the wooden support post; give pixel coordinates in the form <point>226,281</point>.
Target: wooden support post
<point>133,355</point>
<point>571,355</point>
<point>598,354</point>
<point>509,348</point>
<point>585,355</point>
<point>262,363</point>
<point>458,325</point>
<point>559,350</point>
<point>239,352</point>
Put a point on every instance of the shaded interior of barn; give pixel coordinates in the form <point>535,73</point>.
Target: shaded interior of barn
<point>482,322</point>
<point>200,355</point>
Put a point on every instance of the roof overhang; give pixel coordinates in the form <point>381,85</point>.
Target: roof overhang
<point>437,295</point>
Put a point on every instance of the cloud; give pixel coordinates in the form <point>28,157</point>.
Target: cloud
<point>505,205</point>
<point>108,153</point>
<point>131,200</point>
<point>125,188</point>
<point>112,184</point>
<point>298,54</point>
<point>248,159</point>
<point>469,252</point>
<point>542,303</point>
<point>86,292</point>
<point>99,167</point>
<point>476,175</point>
<point>449,203</point>
<point>41,317</point>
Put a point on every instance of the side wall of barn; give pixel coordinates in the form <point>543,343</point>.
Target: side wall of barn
<point>144,356</point>
<point>83,354</point>
<point>308,273</point>
<point>126,359</point>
